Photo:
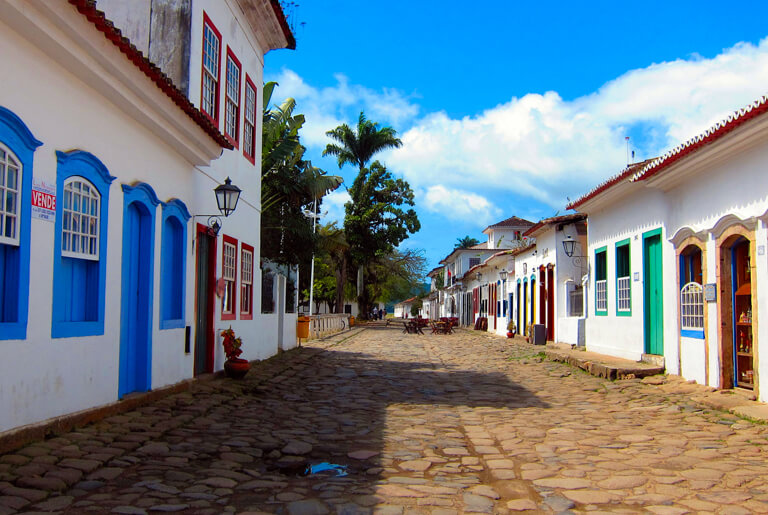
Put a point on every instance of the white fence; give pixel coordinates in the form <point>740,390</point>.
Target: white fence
<point>323,325</point>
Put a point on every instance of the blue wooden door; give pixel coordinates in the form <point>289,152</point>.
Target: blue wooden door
<point>136,313</point>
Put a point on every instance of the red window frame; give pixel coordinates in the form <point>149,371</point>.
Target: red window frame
<point>229,294</point>
<point>233,138</point>
<point>214,117</point>
<point>249,84</point>
<point>246,315</point>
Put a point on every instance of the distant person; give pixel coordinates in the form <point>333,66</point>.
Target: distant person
<point>381,313</point>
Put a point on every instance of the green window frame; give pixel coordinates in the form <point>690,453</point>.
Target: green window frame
<point>601,281</point>
<point>623,279</point>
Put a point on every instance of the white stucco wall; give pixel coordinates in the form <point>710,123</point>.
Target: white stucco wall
<point>65,111</point>
<point>72,374</point>
<point>722,182</point>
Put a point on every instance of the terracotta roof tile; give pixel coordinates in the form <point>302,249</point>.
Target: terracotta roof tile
<point>612,181</point>
<point>573,217</point>
<point>512,221</point>
<point>717,131</point>
<point>649,168</point>
<point>88,9</point>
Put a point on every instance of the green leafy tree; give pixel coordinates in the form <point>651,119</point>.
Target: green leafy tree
<point>378,218</point>
<point>392,276</point>
<point>289,184</point>
<point>358,146</point>
<point>368,218</point>
<point>465,242</point>
<point>333,243</point>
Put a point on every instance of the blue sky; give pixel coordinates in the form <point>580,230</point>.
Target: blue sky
<point>508,108</point>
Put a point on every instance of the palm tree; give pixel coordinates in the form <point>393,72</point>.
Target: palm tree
<point>289,184</point>
<point>357,146</point>
<point>283,154</point>
<point>465,242</point>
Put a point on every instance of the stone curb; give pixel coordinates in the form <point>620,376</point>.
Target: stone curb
<point>602,369</point>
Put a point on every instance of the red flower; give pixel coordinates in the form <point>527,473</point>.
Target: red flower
<point>231,344</point>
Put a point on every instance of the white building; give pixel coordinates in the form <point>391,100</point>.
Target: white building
<point>548,283</point>
<point>677,249</point>
<point>488,296</point>
<point>457,299</point>
<point>454,298</point>
<point>108,271</point>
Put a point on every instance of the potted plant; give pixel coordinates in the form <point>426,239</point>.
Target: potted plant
<point>235,367</point>
<point>511,329</point>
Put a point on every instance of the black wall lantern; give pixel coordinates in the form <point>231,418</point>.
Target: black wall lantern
<point>227,195</point>
<point>569,244</point>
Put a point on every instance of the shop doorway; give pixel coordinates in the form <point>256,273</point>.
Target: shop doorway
<point>737,338</point>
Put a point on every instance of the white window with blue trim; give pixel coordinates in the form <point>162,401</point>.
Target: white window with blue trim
<point>691,293</point>
<point>10,193</point>
<point>17,146</point>
<point>79,268</point>
<point>80,224</point>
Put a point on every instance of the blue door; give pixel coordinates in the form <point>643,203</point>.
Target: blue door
<point>136,309</point>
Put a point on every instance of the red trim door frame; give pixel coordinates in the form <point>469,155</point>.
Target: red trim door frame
<point>542,296</point>
<point>550,303</point>
<point>209,283</point>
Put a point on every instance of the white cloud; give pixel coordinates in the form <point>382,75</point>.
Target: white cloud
<point>326,108</point>
<point>538,146</point>
<point>459,205</point>
<point>545,147</point>
<point>334,204</point>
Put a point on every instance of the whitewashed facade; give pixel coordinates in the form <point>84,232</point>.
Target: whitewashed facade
<point>688,231</point>
<point>103,301</point>
<point>557,298</point>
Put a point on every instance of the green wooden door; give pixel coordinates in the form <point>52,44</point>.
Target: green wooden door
<point>654,307</point>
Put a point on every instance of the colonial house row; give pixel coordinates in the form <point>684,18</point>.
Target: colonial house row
<point>111,237</point>
<point>677,249</point>
<point>538,283</point>
<point>669,269</point>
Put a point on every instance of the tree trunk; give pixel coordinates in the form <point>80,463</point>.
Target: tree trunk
<point>341,281</point>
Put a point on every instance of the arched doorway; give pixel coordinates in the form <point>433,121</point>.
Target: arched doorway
<point>737,341</point>
<point>135,373</point>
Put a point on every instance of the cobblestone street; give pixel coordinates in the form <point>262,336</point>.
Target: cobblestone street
<point>423,424</point>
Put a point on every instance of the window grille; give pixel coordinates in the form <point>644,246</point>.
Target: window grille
<point>246,281</point>
<point>10,188</point>
<point>233,98</point>
<point>601,295</point>
<point>576,300</point>
<point>623,294</point>
<point>211,47</point>
<point>474,261</point>
<point>80,220</point>
<point>228,274</point>
<point>249,130</point>
<point>692,306</point>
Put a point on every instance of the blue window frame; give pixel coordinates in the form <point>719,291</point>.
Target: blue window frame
<point>691,293</point>
<point>17,145</point>
<point>79,282</point>
<point>174,264</point>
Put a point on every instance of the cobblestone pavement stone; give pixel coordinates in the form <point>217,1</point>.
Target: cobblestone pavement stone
<point>462,423</point>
